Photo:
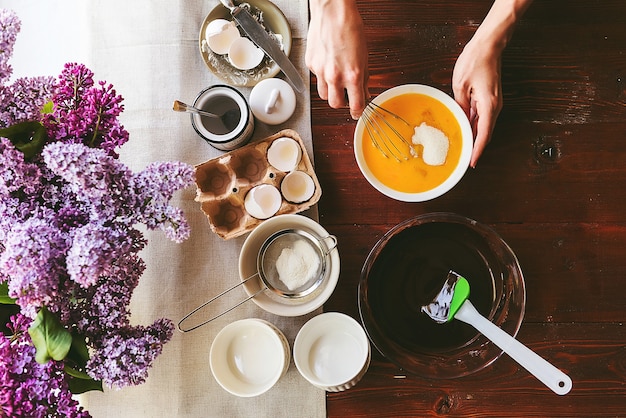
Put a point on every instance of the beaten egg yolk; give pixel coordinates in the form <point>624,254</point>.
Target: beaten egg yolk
<point>413,175</point>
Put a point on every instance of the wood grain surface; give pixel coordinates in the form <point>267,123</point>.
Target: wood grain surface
<point>552,183</point>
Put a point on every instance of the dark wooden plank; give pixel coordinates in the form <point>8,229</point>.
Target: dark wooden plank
<point>594,357</point>
<point>551,183</point>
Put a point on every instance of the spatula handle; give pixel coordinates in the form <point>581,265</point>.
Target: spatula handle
<point>549,375</point>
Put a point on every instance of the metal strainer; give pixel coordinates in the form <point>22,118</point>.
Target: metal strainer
<point>292,265</point>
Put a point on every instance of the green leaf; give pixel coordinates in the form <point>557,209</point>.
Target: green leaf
<point>4,294</point>
<point>48,108</point>
<point>79,353</point>
<point>28,137</point>
<point>79,374</point>
<point>78,385</point>
<point>50,338</point>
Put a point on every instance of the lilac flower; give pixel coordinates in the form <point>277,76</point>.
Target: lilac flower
<point>30,389</point>
<point>33,258</point>
<point>154,187</point>
<point>24,99</point>
<point>103,308</point>
<point>123,359</point>
<point>94,177</point>
<point>85,112</point>
<point>94,252</point>
<point>10,25</point>
<point>68,237</point>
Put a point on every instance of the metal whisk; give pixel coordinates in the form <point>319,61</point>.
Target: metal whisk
<point>377,121</point>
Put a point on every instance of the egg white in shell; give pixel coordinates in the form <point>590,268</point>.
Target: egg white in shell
<point>244,54</point>
<point>284,154</point>
<point>220,35</point>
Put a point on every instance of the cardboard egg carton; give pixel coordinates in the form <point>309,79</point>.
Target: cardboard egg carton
<point>223,182</point>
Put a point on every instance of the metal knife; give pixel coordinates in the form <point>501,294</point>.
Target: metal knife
<point>263,40</point>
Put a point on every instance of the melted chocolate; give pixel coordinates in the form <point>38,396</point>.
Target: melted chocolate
<point>410,271</point>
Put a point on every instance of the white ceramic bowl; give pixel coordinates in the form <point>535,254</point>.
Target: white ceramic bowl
<point>248,267</point>
<point>332,351</point>
<point>249,356</point>
<point>466,151</point>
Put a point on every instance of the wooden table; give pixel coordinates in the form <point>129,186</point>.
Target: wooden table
<point>552,183</point>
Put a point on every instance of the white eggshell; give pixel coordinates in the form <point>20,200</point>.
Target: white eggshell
<point>220,35</point>
<point>284,154</point>
<point>244,54</point>
<point>263,201</point>
<point>297,187</point>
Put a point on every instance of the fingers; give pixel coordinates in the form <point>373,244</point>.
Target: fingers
<point>462,96</point>
<point>339,94</point>
<point>484,122</point>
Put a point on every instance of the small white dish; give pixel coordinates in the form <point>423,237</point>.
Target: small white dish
<point>249,356</point>
<point>332,351</point>
<point>248,267</point>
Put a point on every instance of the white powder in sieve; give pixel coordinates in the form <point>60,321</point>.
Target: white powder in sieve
<point>434,142</point>
<point>297,265</point>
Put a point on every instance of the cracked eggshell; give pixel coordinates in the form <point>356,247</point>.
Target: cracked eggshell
<point>263,201</point>
<point>220,35</point>
<point>244,54</point>
<point>284,154</point>
<point>297,187</point>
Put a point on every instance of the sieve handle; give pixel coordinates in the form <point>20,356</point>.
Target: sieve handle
<point>179,325</point>
<point>333,240</point>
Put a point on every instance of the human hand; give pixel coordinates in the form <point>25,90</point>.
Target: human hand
<point>336,52</point>
<point>477,87</point>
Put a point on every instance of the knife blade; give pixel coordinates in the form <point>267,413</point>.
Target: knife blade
<point>263,40</point>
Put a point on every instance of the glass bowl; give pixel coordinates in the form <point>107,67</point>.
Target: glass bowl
<point>405,270</point>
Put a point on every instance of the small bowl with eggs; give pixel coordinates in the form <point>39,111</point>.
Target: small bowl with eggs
<point>413,143</point>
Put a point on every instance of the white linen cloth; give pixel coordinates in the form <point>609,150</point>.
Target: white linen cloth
<point>148,49</point>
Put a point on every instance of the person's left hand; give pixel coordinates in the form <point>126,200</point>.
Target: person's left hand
<point>477,87</point>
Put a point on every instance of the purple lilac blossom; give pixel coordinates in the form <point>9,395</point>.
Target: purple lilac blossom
<point>67,233</point>
<point>33,258</point>
<point>103,308</point>
<point>24,99</point>
<point>85,112</point>
<point>10,26</point>
<point>94,251</point>
<point>123,359</point>
<point>27,388</point>
<point>154,187</point>
<point>96,179</point>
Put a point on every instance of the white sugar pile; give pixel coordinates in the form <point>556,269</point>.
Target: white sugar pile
<point>434,142</point>
<point>297,265</point>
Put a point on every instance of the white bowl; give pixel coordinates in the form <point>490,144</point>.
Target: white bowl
<point>248,267</point>
<point>249,356</point>
<point>466,151</point>
<point>332,351</point>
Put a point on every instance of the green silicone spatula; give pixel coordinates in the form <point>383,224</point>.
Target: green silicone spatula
<point>452,303</point>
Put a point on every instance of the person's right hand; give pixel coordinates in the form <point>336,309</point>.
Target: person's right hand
<point>336,52</point>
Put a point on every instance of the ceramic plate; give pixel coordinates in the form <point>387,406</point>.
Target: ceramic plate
<point>274,21</point>
<point>248,267</point>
